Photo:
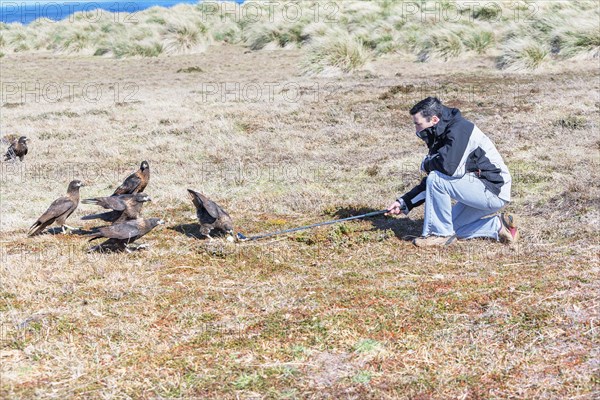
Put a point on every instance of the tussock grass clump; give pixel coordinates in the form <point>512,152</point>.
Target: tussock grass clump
<point>274,28</point>
<point>18,39</point>
<point>479,42</point>
<point>227,31</point>
<point>573,122</point>
<point>486,12</point>
<point>523,54</point>
<point>189,70</point>
<point>262,36</point>
<point>182,38</point>
<point>75,41</point>
<point>443,43</point>
<point>344,52</point>
<point>125,49</point>
<point>381,37</point>
<point>579,41</point>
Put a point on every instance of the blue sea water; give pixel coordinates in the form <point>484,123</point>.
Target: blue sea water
<point>26,11</point>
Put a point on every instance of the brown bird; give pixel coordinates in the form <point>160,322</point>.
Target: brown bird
<point>210,215</point>
<point>122,234</point>
<point>59,210</point>
<point>125,207</point>
<point>17,148</point>
<point>136,182</point>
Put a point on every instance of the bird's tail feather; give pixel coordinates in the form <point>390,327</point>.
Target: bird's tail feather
<point>93,236</point>
<point>89,201</point>
<point>35,228</point>
<point>94,216</point>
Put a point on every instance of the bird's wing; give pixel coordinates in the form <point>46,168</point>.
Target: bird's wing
<point>194,196</point>
<point>116,203</point>
<point>56,209</point>
<point>10,152</point>
<point>125,230</point>
<point>144,227</point>
<point>206,215</point>
<point>210,206</point>
<point>129,185</point>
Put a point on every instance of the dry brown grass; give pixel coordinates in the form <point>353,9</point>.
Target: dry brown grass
<point>346,311</point>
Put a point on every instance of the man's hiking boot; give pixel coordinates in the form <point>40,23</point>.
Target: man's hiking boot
<point>508,232</point>
<point>432,240</point>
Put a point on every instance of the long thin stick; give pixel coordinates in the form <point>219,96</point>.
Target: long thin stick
<point>240,236</point>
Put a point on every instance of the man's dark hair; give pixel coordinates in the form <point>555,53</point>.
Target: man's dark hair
<point>428,108</point>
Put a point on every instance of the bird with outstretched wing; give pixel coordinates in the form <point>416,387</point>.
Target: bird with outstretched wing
<point>210,215</point>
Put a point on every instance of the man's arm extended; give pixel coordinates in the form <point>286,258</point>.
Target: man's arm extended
<point>413,198</point>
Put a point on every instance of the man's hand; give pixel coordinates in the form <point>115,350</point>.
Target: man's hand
<point>394,208</point>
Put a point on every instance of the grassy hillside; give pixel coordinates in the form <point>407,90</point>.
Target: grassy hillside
<point>346,311</point>
<point>335,34</point>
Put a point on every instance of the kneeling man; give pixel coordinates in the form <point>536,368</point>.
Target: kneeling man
<point>462,164</point>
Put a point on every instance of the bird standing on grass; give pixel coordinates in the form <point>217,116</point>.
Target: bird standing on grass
<point>210,215</point>
<point>18,148</point>
<point>125,207</point>
<point>122,234</point>
<point>59,210</point>
<point>136,182</point>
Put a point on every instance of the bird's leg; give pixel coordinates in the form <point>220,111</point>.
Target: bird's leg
<point>70,228</point>
<point>143,246</point>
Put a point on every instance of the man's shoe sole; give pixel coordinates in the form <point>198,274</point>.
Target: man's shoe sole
<point>509,225</point>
